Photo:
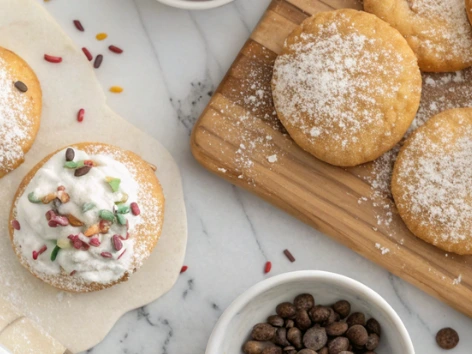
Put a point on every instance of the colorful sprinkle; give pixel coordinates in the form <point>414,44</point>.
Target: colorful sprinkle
<point>121,219</point>
<point>52,59</point>
<point>114,183</point>
<point>267,267</point>
<point>106,215</point>
<point>88,206</point>
<point>106,255</point>
<point>121,255</point>
<point>36,254</point>
<point>15,224</point>
<point>73,272</point>
<point>135,208</point>
<point>87,54</point>
<point>70,154</point>
<point>101,36</point>
<point>95,242</point>
<point>123,209</point>
<point>116,241</point>
<point>116,89</point>
<point>80,115</point>
<point>82,171</point>
<point>289,255</point>
<point>78,25</point>
<point>33,198</point>
<point>70,164</point>
<point>54,253</point>
<point>98,61</point>
<point>115,49</point>
<point>21,86</point>
<point>183,269</point>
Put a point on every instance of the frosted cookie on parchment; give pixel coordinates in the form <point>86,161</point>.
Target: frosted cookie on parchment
<point>438,31</point>
<point>432,181</point>
<point>86,217</point>
<point>20,110</point>
<point>346,86</point>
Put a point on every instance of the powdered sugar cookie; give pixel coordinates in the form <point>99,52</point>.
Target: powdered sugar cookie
<point>20,110</point>
<point>437,31</point>
<point>86,217</point>
<point>346,86</point>
<point>431,181</point>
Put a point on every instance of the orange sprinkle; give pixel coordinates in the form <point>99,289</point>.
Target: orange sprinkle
<point>116,89</point>
<point>101,36</point>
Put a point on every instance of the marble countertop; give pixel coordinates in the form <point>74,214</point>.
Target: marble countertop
<point>173,61</point>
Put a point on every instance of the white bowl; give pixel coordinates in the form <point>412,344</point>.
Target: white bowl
<point>195,4</point>
<point>259,302</point>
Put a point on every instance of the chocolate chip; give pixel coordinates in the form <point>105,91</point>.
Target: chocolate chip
<point>21,86</point>
<point>304,302</point>
<point>343,308</point>
<point>319,314</point>
<point>289,323</point>
<point>323,351</point>
<point>356,318</point>
<point>70,154</point>
<point>315,338</point>
<point>98,61</point>
<point>306,351</point>
<point>302,320</point>
<point>333,317</point>
<point>290,350</point>
<point>447,338</point>
<point>263,332</point>
<point>281,337</point>
<point>372,341</point>
<point>294,336</point>
<point>285,310</point>
<point>275,321</point>
<point>338,345</point>
<point>357,334</point>
<point>82,171</point>
<point>373,326</point>
<point>254,347</point>
<point>272,350</point>
<point>336,329</point>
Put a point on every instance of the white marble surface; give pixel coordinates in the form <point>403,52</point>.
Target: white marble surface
<point>172,62</point>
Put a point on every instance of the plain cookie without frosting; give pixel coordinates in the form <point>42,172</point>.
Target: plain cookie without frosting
<point>346,86</point>
<point>432,181</point>
<point>437,30</point>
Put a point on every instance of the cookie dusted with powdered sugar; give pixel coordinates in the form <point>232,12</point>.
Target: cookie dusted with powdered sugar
<point>86,217</point>
<point>432,181</point>
<point>438,31</point>
<point>20,110</point>
<point>346,86</point>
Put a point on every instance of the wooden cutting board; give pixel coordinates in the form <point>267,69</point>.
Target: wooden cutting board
<point>239,138</point>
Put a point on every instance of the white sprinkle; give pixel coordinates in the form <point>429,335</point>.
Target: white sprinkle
<point>272,158</point>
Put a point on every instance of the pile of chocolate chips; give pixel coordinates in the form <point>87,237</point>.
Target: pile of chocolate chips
<point>303,328</point>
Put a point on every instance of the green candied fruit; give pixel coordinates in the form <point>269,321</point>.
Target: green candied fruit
<point>106,215</point>
<point>88,206</point>
<point>123,209</point>
<point>121,219</point>
<point>33,199</point>
<point>71,165</point>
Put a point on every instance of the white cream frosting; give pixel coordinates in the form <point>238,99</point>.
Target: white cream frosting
<point>35,232</point>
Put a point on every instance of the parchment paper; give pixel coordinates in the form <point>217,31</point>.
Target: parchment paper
<point>82,320</point>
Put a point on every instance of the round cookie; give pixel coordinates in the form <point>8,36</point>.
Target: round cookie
<point>102,212</point>
<point>437,31</point>
<point>431,181</point>
<point>20,112</point>
<point>346,86</point>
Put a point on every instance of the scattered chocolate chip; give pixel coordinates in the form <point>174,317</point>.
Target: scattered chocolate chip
<point>338,345</point>
<point>281,337</point>
<point>343,308</point>
<point>372,341</point>
<point>302,320</point>
<point>357,335</point>
<point>70,154</point>
<point>263,332</point>
<point>356,318</point>
<point>304,302</point>
<point>290,350</point>
<point>21,86</point>
<point>289,323</point>
<point>373,326</point>
<point>275,321</point>
<point>98,61</point>
<point>319,314</point>
<point>333,317</point>
<point>286,310</point>
<point>82,171</point>
<point>315,338</point>
<point>447,338</point>
<point>336,329</point>
<point>289,255</point>
<point>255,347</point>
<point>294,336</point>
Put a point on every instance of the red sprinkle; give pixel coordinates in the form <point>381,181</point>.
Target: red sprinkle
<point>98,61</point>
<point>115,49</point>
<point>73,272</point>
<point>80,115</point>
<point>88,163</point>
<point>95,242</point>
<point>124,238</point>
<point>289,255</point>
<point>15,224</point>
<point>41,251</point>
<point>117,244</point>
<point>135,208</point>
<point>184,269</point>
<point>106,255</point>
<point>121,255</point>
<point>35,255</point>
<point>52,59</point>
<point>268,267</point>
<point>87,53</point>
<point>78,25</point>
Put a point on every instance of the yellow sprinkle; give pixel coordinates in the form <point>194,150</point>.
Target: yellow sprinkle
<point>101,36</point>
<point>116,89</point>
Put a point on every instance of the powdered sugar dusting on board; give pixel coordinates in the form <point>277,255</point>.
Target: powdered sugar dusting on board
<point>14,121</point>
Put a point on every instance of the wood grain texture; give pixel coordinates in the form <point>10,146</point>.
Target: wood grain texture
<point>238,133</point>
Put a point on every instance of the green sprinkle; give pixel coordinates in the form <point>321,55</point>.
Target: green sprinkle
<point>123,209</point>
<point>121,219</point>
<point>70,164</point>
<point>80,164</point>
<point>114,183</point>
<point>106,215</point>
<point>54,253</point>
<point>33,199</point>
<point>88,206</point>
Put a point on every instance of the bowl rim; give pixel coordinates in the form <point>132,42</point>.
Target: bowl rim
<point>195,5</point>
<point>214,342</point>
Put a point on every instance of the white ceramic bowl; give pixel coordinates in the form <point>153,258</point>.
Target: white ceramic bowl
<point>195,4</point>
<point>257,303</point>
